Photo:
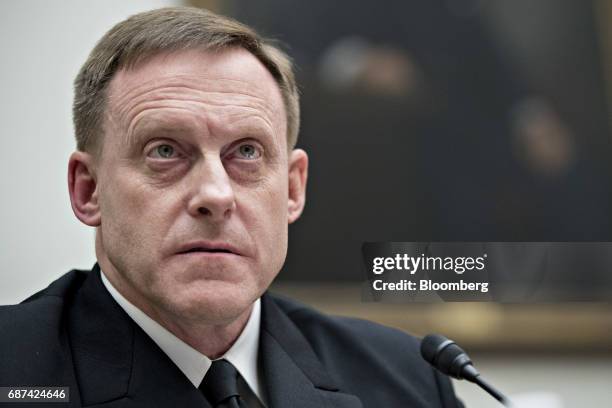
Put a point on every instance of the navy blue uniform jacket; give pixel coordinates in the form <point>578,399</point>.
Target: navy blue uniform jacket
<point>74,334</point>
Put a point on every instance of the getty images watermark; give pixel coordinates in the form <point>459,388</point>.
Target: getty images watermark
<point>487,271</point>
<point>413,264</point>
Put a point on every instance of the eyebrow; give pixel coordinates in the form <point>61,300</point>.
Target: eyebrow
<point>153,126</point>
<point>147,127</point>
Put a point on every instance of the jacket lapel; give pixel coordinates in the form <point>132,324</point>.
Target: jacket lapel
<point>116,363</point>
<point>293,374</point>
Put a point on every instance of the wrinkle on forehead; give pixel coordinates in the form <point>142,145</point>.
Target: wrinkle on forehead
<point>137,89</point>
<point>225,87</point>
<point>230,105</point>
<point>172,119</point>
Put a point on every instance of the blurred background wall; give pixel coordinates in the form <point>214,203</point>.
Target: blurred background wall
<point>445,120</point>
<point>433,120</point>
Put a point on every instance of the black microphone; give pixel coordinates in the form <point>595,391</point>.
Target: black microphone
<point>449,358</point>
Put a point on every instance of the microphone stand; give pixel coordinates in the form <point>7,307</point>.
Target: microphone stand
<point>492,391</point>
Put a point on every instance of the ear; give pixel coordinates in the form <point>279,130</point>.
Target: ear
<point>82,187</point>
<point>298,175</point>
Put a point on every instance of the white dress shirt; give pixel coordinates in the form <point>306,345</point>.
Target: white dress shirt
<point>243,353</point>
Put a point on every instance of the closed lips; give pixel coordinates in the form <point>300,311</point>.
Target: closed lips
<point>208,247</point>
<point>198,249</point>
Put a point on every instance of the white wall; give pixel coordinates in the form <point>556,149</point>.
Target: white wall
<point>42,45</point>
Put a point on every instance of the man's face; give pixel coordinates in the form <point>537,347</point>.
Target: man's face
<point>192,183</point>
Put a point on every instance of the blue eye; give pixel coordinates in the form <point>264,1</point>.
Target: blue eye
<point>248,151</point>
<point>164,151</point>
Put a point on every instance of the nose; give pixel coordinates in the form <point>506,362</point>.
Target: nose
<point>213,195</point>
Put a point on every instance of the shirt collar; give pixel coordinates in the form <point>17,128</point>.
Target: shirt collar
<point>242,354</point>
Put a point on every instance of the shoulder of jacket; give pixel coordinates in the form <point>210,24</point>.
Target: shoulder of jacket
<point>310,320</point>
<point>43,309</point>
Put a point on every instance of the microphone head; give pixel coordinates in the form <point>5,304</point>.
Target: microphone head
<point>431,345</point>
<point>447,357</point>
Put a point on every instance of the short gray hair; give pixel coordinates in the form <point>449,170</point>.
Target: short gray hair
<point>146,34</point>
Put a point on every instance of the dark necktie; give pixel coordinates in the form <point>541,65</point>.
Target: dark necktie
<point>220,386</point>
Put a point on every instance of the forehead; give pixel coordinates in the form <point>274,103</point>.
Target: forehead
<point>231,80</point>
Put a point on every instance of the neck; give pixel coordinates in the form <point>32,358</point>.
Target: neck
<point>212,340</point>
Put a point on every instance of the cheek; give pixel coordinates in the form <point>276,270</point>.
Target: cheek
<point>133,215</point>
<point>266,221</point>
<point>274,206</point>
<point>119,202</point>
<point>278,224</point>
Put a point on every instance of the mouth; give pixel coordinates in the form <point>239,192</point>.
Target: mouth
<point>208,248</point>
<point>212,251</point>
